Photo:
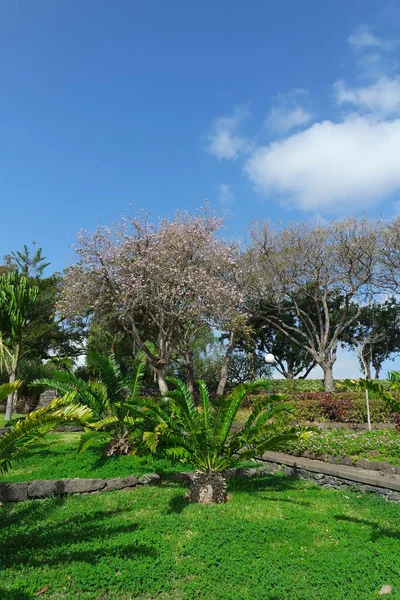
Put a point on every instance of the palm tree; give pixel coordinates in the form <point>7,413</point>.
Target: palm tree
<point>204,435</point>
<point>16,443</point>
<point>113,400</point>
<point>16,298</point>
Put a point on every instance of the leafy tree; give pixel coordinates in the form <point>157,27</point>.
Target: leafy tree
<point>112,398</point>
<point>307,268</point>
<point>376,334</point>
<point>16,298</point>
<point>203,435</point>
<point>29,262</point>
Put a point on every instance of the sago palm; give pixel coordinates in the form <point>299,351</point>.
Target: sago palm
<point>204,436</point>
<point>112,398</point>
<point>17,442</point>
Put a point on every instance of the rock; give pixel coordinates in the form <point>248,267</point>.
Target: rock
<point>13,492</point>
<point>130,481</point>
<point>373,453</point>
<point>386,468</point>
<point>186,478</point>
<point>385,589</point>
<point>79,486</point>
<point>346,461</point>
<point>114,484</point>
<point>43,489</point>
<point>150,479</point>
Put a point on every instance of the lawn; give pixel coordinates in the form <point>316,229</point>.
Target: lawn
<point>277,539</point>
<point>57,457</point>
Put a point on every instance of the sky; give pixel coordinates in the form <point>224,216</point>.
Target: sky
<point>287,110</point>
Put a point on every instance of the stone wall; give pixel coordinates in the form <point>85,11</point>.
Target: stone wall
<point>19,492</point>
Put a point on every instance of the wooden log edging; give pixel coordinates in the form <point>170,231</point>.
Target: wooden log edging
<point>19,492</point>
<point>334,476</point>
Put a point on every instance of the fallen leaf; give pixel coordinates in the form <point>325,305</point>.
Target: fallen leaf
<point>43,590</point>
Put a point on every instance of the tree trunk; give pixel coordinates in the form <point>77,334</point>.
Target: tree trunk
<point>10,397</point>
<point>377,372</point>
<point>329,385</point>
<point>161,380</point>
<point>224,370</point>
<point>208,488</point>
<point>189,368</point>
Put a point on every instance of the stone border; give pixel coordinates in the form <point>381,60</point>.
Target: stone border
<point>334,476</point>
<point>19,492</point>
<point>363,463</point>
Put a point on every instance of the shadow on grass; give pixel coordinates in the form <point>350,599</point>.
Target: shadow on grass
<point>61,543</point>
<point>177,504</point>
<point>14,595</point>
<point>376,530</point>
<point>265,483</point>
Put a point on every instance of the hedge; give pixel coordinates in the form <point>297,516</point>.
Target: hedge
<point>346,406</point>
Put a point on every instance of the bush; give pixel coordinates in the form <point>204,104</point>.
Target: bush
<point>348,406</point>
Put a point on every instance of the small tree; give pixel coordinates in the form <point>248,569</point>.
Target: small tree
<point>203,435</point>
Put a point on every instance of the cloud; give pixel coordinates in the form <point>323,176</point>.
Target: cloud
<point>363,38</point>
<point>223,141</point>
<point>225,194</point>
<point>282,119</point>
<point>331,167</point>
<point>288,113</point>
<point>371,52</point>
<point>381,97</point>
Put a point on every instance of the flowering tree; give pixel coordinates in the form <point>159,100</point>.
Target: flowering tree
<point>161,281</point>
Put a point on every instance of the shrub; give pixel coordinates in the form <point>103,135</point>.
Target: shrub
<point>336,408</point>
<point>348,406</point>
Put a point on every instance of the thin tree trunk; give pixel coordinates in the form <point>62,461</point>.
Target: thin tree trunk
<point>161,380</point>
<point>10,398</point>
<point>189,368</point>
<point>329,385</point>
<point>12,378</point>
<point>224,370</point>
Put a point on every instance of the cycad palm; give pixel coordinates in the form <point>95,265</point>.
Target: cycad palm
<point>16,443</point>
<point>204,435</point>
<point>112,398</point>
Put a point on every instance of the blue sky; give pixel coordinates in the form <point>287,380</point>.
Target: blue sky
<point>268,109</point>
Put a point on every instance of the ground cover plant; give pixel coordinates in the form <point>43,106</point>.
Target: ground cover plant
<point>57,457</point>
<point>377,445</point>
<point>277,538</point>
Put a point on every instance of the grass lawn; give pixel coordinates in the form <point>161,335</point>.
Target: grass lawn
<point>56,457</point>
<point>277,539</point>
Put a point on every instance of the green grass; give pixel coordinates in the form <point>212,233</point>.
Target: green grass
<point>56,457</point>
<point>276,539</point>
<point>15,418</point>
<point>359,444</point>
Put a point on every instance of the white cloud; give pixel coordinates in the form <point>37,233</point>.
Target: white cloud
<point>224,141</point>
<point>288,113</point>
<point>381,97</point>
<point>331,167</point>
<point>363,38</point>
<point>282,119</point>
<point>225,194</point>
